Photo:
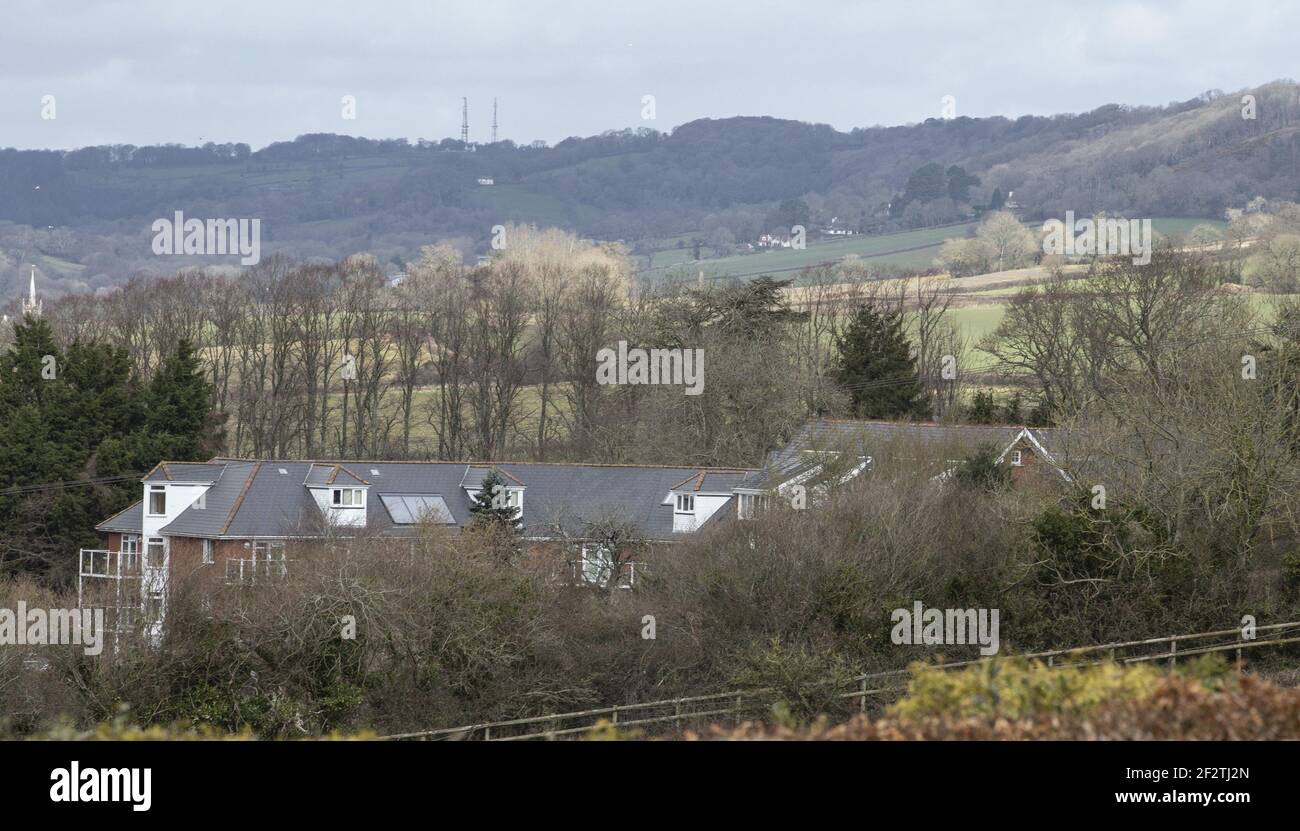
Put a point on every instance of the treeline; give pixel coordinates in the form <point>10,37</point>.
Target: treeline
<point>499,361</point>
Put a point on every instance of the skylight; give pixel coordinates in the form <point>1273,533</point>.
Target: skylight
<point>411,508</point>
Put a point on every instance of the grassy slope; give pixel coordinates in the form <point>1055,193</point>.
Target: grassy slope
<point>875,249</point>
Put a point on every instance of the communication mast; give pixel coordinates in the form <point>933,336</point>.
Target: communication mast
<point>464,122</point>
<point>494,121</point>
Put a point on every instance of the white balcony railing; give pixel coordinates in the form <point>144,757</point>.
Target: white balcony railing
<point>117,565</point>
<point>252,571</point>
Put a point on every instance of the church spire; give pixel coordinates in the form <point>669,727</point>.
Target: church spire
<point>32,306</point>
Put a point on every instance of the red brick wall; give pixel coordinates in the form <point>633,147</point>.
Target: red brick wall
<point>188,568</point>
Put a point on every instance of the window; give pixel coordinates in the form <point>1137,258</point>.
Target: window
<point>1015,458</point>
<point>156,553</point>
<point>752,504</point>
<point>153,607</point>
<point>209,552</point>
<point>201,503</point>
<point>157,500</point>
<point>130,552</point>
<point>269,550</point>
<point>598,565</point>
<point>348,498</point>
<point>410,508</point>
<point>685,503</point>
<point>268,559</point>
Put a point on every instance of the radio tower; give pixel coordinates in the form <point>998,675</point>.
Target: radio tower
<point>494,121</point>
<point>464,122</point>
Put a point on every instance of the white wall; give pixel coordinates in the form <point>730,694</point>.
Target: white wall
<point>179,497</point>
<point>706,505</point>
<point>341,517</point>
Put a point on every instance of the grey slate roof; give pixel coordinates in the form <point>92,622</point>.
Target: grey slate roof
<point>332,475</point>
<point>205,473</point>
<point>254,499</point>
<point>129,521</point>
<point>816,439</point>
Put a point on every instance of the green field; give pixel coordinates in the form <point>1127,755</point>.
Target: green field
<point>879,249</point>
<point>905,249</point>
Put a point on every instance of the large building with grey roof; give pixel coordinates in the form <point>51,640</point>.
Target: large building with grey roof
<point>233,517</point>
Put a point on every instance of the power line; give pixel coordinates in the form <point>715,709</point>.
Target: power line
<point>69,483</point>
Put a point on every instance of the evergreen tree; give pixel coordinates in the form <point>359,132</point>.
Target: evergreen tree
<point>1012,411</point>
<point>959,183</point>
<point>998,200</point>
<point>926,184</point>
<point>876,366</point>
<point>72,415</point>
<point>180,398</point>
<point>982,409</point>
<point>981,469</point>
<point>753,309</point>
<point>491,504</point>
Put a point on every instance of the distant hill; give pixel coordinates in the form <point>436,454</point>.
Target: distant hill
<point>83,216</point>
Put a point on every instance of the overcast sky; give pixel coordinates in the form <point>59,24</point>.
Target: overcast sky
<point>153,71</point>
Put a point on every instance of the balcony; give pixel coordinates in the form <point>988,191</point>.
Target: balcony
<point>113,565</point>
<point>248,572</point>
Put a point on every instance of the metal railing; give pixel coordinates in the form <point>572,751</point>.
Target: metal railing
<point>100,562</point>
<point>589,573</point>
<point>253,570</point>
<point>681,711</point>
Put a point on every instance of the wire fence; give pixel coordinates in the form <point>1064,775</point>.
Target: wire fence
<point>683,713</point>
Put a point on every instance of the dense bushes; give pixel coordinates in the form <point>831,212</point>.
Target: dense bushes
<point>795,601</point>
<point>1006,700</point>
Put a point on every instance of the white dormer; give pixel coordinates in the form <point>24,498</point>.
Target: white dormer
<point>693,502</point>
<point>340,494</point>
<point>167,498</point>
<point>512,490</point>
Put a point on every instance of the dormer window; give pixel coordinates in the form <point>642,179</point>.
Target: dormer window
<point>685,503</point>
<point>157,500</point>
<point>348,498</point>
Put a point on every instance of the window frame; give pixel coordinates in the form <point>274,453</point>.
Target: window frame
<point>684,499</point>
<point>128,551</point>
<point>159,491</point>
<point>750,505</point>
<point>1016,458</point>
<point>150,543</point>
<point>209,551</point>
<point>337,497</point>
<point>597,564</point>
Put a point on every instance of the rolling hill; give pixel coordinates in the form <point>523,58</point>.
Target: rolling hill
<point>721,182</point>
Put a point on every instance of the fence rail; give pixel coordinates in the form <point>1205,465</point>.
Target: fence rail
<point>683,710</point>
